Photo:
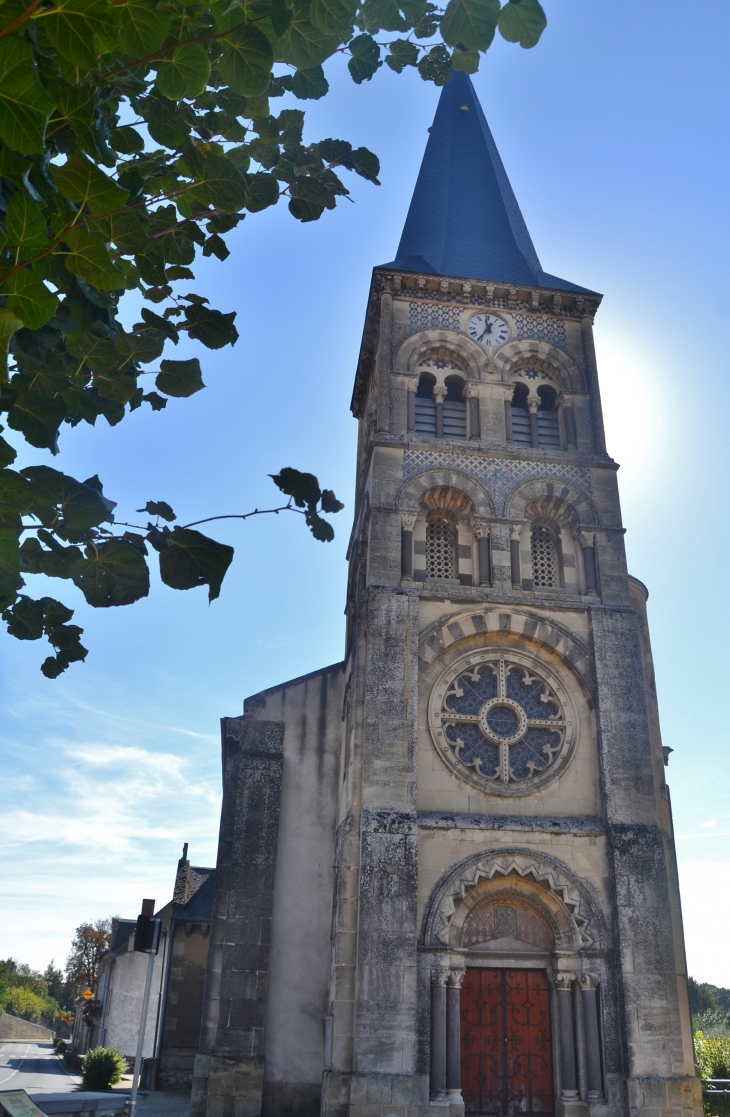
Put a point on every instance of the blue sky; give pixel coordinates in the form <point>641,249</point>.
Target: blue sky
<point>614,134</point>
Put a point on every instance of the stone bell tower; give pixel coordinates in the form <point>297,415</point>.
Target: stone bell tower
<point>446,873</point>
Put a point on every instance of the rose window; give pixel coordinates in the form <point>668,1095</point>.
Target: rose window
<point>501,721</point>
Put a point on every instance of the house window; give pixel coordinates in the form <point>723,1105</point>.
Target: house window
<point>454,409</point>
<point>544,559</point>
<point>425,407</point>
<point>520,417</point>
<point>548,431</point>
<point>440,549</point>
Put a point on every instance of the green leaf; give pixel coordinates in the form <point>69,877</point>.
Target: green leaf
<point>24,104</point>
<point>16,493</point>
<point>79,29</point>
<point>523,22</point>
<point>159,508</point>
<point>90,260</point>
<point>377,15</point>
<point>216,246</point>
<point>304,45</point>
<point>302,487</point>
<point>124,229</point>
<point>402,53</point>
<point>119,386</point>
<point>38,418</point>
<point>25,619</point>
<point>180,378</point>
<point>263,191</point>
<point>7,453</point>
<point>78,108</point>
<point>28,299</point>
<point>365,58</point>
<point>465,61</point>
<point>82,182</point>
<point>113,573</point>
<point>65,502</point>
<point>210,326</point>
<point>435,65</point>
<point>161,324</point>
<point>10,581</point>
<point>189,559</point>
<point>220,184</point>
<point>333,17</point>
<point>320,529</point>
<point>247,60</point>
<point>127,140</point>
<point>330,503</point>
<point>183,73</point>
<point>156,402</point>
<point>470,23</point>
<point>25,223</point>
<point>309,85</point>
<point>165,123</point>
<point>9,325</point>
<point>142,28</point>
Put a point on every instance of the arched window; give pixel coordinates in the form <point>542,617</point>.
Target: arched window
<point>520,416</point>
<point>425,407</point>
<point>454,409</point>
<point>544,558</point>
<point>548,431</point>
<point>440,548</point>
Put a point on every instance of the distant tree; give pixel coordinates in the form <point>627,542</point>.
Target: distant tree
<point>89,943</point>
<point>58,987</point>
<point>702,997</point>
<point>23,1001</point>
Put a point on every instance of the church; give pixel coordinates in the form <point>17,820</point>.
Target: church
<point>446,873</point>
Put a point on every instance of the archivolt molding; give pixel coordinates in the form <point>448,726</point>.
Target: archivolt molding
<point>412,491</point>
<point>541,355</point>
<point>518,499</point>
<point>470,356</point>
<point>547,871</point>
<point>540,633</point>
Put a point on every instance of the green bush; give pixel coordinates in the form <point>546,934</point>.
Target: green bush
<point>712,1054</point>
<point>72,1061</point>
<point>102,1068</point>
<point>60,1046</point>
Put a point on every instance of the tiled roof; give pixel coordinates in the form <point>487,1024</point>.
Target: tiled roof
<point>464,220</point>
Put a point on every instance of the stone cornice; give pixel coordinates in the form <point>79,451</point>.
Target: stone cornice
<point>465,292</point>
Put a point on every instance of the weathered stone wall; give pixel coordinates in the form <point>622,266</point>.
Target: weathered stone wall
<point>13,1028</point>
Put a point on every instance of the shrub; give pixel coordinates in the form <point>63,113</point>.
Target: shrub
<point>102,1068</point>
<point>59,1046</point>
<point>72,1061</point>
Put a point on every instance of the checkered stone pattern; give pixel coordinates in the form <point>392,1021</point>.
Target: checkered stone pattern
<point>495,919</point>
<point>544,329</point>
<point>498,475</point>
<point>432,317</point>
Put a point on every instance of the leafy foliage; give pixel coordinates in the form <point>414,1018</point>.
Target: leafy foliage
<point>89,943</point>
<point>102,1068</point>
<point>30,994</point>
<point>135,134</point>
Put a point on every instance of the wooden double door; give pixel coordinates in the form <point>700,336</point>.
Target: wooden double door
<point>506,1051</point>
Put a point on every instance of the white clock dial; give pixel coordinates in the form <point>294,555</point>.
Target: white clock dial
<point>488,330</point>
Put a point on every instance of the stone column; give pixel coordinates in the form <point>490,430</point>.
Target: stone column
<point>568,1072</point>
<point>569,424</point>
<point>453,1037</point>
<point>533,405</point>
<point>407,524</point>
<point>439,395</point>
<point>509,434</point>
<point>588,546</point>
<point>411,403</point>
<point>439,979</point>
<point>472,403</point>
<point>385,360</point>
<point>484,553</point>
<point>514,557</point>
<point>589,993</point>
<point>599,436</point>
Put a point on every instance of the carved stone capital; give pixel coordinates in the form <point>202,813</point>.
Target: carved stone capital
<point>466,288</point>
<point>482,529</point>
<point>587,538</point>
<point>533,404</point>
<point>491,368</point>
<point>564,981</point>
<point>439,393</point>
<point>588,980</point>
<point>440,977</point>
<point>456,977</point>
<point>412,383</point>
<point>515,532</point>
<point>509,392</point>
<point>472,390</point>
<point>408,520</point>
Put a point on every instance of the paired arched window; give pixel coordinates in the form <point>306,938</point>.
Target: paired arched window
<point>544,432</point>
<point>451,421</point>
<point>545,568</point>
<point>441,543</point>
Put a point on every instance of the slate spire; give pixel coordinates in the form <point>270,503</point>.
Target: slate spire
<point>464,220</point>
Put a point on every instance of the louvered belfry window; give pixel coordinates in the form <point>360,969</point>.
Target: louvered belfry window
<point>425,408</point>
<point>548,430</point>
<point>454,410</point>
<point>544,559</point>
<point>520,417</point>
<point>440,550</point>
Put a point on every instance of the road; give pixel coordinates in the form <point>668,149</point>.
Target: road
<point>34,1067</point>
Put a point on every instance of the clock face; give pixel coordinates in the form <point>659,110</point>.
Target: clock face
<point>488,330</point>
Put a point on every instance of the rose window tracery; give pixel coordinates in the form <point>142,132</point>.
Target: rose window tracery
<point>502,721</point>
